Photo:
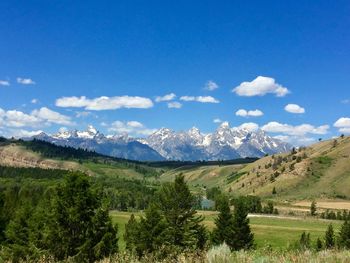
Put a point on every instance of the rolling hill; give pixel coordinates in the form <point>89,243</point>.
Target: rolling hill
<point>40,154</point>
<point>321,171</point>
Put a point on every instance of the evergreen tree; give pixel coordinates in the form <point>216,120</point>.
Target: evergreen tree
<point>80,226</point>
<point>313,208</point>
<point>319,244</point>
<point>223,231</point>
<point>268,209</point>
<point>176,204</point>
<point>344,235</point>
<point>2,219</point>
<point>304,241</point>
<point>329,237</point>
<point>274,191</point>
<point>153,231</point>
<point>17,235</point>
<point>131,235</point>
<point>104,235</point>
<point>243,237</point>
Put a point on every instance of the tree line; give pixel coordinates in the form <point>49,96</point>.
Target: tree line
<point>170,224</point>
<point>331,240</point>
<point>71,220</point>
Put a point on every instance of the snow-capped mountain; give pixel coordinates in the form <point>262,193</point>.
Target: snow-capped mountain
<point>223,144</point>
<point>121,146</point>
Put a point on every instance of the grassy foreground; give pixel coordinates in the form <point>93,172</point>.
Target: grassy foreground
<point>222,255</point>
<point>274,232</point>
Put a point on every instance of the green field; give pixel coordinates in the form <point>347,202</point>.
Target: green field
<point>273,231</point>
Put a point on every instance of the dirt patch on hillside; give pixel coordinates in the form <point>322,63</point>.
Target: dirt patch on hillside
<point>14,155</point>
<point>326,204</point>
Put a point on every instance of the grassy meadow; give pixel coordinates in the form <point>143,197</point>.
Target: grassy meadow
<point>277,232</point>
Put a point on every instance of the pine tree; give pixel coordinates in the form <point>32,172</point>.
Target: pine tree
<point>268,209</point>
<point>17,235</point>
<point>274,191</point>
<point>223,231</point>
<point>2,219</point>
<point>313,208</point>
<point>103,234</point>
<point>131,235</point>
<point>80,227</point>
<point>319,244</point>
<point>304,241</point>
<point>243,237</point>
<point>176,204</point>
<point>153,231</point>
<point>329,237</point>
<point>344,235</point>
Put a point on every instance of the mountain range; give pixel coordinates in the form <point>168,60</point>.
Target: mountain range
<point>165,144</point>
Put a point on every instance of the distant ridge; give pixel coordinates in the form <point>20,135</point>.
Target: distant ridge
<point>225,143</point>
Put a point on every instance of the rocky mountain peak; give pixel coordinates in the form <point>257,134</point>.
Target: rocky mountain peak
<point>224,143</point>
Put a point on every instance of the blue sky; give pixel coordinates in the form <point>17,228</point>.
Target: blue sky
<point>58,58</point>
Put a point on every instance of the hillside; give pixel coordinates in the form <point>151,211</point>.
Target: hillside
<point>42,154</point>
<point>320,171</point>
<point>17,153</point>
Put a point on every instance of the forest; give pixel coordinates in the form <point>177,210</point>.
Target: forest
<point>64,215</point>
<point>56,215</point>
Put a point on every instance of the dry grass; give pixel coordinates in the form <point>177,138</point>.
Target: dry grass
<point>310,179</point>
<point>222,254</point>
<point>326,204</point>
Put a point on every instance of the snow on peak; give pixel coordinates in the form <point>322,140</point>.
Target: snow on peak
<point>91,129</point>
<point>90,133</point>
<point>224,125</point>
<point>194,131</point>
<point>224,143</point>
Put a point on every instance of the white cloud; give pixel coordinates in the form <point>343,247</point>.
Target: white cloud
<point>76,102</point>
<point>260,87</point>
<point>345,130</point>
<point>283,138</point>
<point>167,97</point>
<point>296,140</point>
<point>249,126</point>
<point>34,101</point>
<point>174,104</point>
<point>202,99</point>
<point>105,103</point>
<point>82,114</point>
<point>249,113</point>
<point>19,133</point>
<point>15,118</point>
<point>52,116</point>
<point>343,124</point>
<point>294,108</point>
<point>130,127</point>
<point>37,118</point>
<point>217,120</point>
<point>134,124</point>
<point>211,85</point>
<point>4,83</point>
<point>346,101</point>
<point>25,81</point>
<point>298,130</point>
